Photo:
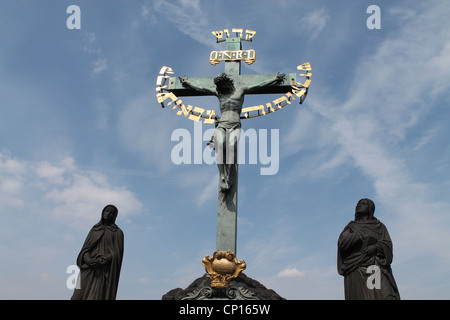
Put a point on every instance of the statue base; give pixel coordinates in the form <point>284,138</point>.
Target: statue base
<point>241,288</point>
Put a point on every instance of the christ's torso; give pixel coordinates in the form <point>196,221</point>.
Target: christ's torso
<point>231,105</point>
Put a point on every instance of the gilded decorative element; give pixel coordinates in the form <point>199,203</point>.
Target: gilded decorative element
<point>223,267</point>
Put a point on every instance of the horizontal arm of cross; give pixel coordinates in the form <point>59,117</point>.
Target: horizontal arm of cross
<point>242,81</point>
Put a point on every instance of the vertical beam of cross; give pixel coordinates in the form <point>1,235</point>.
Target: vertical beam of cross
<point>233,68</point>
<point>226,237</point>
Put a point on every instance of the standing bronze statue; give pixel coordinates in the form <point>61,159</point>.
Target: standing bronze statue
<point>365,255</point>
<point>100,259</point>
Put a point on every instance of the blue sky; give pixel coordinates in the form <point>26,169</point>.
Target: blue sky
<point>80,128</point>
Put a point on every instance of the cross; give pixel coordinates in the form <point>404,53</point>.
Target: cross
<point>230,87</point>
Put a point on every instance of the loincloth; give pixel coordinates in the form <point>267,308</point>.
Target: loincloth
<point>226,125</point>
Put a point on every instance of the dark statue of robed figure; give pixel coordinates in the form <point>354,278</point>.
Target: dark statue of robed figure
<point>364,257</point>
<point>100,259</point>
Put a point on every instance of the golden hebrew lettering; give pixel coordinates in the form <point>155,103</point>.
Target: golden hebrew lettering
<point>290,96</point>
<point>249,34</point>
<point>163,96</point>
<point>195,113</point>
<point>270,108</point>
<point>240,31</point>
<point>308,74</point>
<point>218,34</point>
<point>305,67</point>
<point>199,111</point>
<point>185,111</point>
<point>178,104</point>
<point>161,80</point>
<point>304,85</point>
<point>165,70</point>
<point>298,92</point>
<point>255,108</point>
<point>161,88</point>
<point>210,113</point>
<point>307,83</point>
<point>281,101</point>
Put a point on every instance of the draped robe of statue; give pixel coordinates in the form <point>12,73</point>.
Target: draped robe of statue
<point>353,260</point>
<point>105,245</point>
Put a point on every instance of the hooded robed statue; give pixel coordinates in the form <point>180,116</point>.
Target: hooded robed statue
<point>100,259</point>
<point>364,257</point>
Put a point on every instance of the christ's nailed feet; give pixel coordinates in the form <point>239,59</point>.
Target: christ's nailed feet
<point>224,184</point>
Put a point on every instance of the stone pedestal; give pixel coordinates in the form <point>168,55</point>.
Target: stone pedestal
<point>241,288</point>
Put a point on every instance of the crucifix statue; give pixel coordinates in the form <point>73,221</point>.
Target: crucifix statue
<point>228,125</point>
<point>230,87</point>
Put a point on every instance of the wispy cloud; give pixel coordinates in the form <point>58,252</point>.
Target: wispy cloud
<point>90,44</point>
<point>12,177</point>
<point>291,273</point>
<point>209,193</point>
<point>73,194</point>
<point>99,65</point>
<point>314,22</point>
<point>386,100</point>
<point>188,17</point>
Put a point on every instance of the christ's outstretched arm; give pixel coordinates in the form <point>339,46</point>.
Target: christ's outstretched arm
<point>187,84</point>
<point>278,78</point>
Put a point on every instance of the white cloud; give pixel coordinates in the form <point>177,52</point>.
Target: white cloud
<point>427,138</point>
<point>55,173</point>
<point>314,22</point>
<point>11,186</point>
<point>291,273</point>
<point>9,165</point>
<point>188,17</point>
<point>12,178</point>
<point>73,194</point>
<point>144,280</point>
<point>87,194</point>
<point>244,222</point>
<point>209,193</point>
<point>144,11</point>
<point>90,44</point>
<point>99,65</point>
<point>439,67</point>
